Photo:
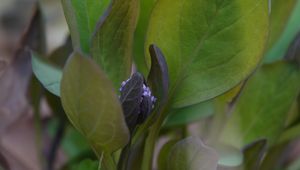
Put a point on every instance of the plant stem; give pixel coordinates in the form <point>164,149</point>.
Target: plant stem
<point>123,160</point>
<point>151,140</point>
<point>55,143</point>
<point>108,162</point>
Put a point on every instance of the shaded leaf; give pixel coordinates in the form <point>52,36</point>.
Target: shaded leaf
<point>192,154</point>
<point>254,115</point>
<point>82,17</point>
<point>275,156</point>
<point>290,134</point>
<point>253,154</point>
<point>49,71</point>
<point>293,52</point>
<point>210,46</point>
<point>189,114</point>
<point>60,55</point>
<point>48,74</point>
<point>92,106</point>
<point>158,78</point>
<point>112,43</point>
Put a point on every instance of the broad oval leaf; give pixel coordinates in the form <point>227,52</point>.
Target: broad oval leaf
<point>210,46</point>
<point>48,74</point>
<point>82,17</point>
<point>192,154</point>
<point>112,43</point>
<point>92,106</point>
<point>260,111</point>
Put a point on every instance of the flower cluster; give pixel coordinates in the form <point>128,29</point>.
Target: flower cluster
<point>146,92</point>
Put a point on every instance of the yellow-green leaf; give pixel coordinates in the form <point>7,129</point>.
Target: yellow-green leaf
<point>210,46</point>
<point>113,41</point>
<point>92,106</point>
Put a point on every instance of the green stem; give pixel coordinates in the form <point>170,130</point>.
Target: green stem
<point>108,162</point>
<point>151,139</point>
<point>123,160</point>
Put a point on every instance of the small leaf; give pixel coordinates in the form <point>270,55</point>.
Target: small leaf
<point>158,78</point>
<point>130,98</point>
<point>48,74</point>
<point>254,153</point>
<point>112,43</point>
<point>82,17</point>
<point>229,156</point>
<point>192,154</point>
<point>92,106</point>
<point>189,114</point>
<point>260,111</point>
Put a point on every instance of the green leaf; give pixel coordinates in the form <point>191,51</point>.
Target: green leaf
<point>158,78</point>
<point>253,154</point>
<point>292,27</point>
<point>260,111</point>
<point>280,13</point>
<point>210,46</point>
<point>48,74</point>
<point>290,134</point>
<point>192,154</point>
<point>229,156</point>
<point>113,40</point>
<point>92,106</point>
<point>60,55</point>
<point>82,17</point>
<point>189,114</point>
<point>86,164</point>
<point>146,7</point>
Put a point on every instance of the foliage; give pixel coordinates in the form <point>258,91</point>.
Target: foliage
<point>203,63</point>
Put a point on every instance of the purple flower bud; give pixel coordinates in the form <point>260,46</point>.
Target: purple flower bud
<point>141,94</point>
